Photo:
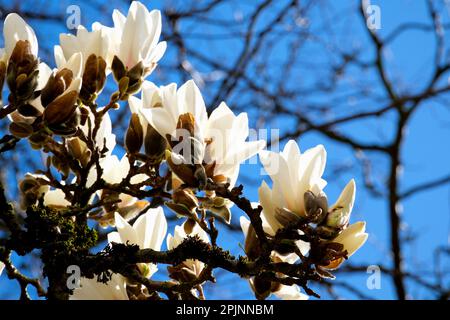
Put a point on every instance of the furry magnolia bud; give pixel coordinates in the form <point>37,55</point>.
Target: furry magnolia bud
<point>134,137</point>
<point>155,145</point>
<point>61,109</point>
<point>22,73</point>
<point>20,129</point>
<point>129,81</point>
<point>94,77</point>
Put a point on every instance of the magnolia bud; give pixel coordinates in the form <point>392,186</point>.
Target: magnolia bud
<point>56,85</point>
<point>118,69</point>
<point>61,109</point>
<point>155,145</point>
<point>94,77</point>
<point>20,129</point>
<point>79,150</point>
<point>135,135</point>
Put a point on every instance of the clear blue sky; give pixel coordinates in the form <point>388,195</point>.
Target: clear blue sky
<point>426,152</point>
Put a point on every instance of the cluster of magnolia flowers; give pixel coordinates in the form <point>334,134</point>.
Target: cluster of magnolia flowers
<point>56,111</point>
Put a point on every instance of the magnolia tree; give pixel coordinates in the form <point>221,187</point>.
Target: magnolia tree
<point>178,157</point>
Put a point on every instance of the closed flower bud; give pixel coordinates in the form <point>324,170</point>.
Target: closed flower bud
<point>20,129</point>
<point>22,73</point>
<point>28,110</point>
<point>155,145</point>
<point>118,69</point>
<point>94,77</point>
<point>123,85</point>
<point>22,58</point>
<point>56,85</point>
<point>79,150</point>
<point>61,109</point>
<point>134,137</point>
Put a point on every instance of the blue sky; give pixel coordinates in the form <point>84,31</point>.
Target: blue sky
<point>426,152</point>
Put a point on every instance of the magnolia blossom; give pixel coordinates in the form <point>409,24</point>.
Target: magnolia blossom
<point>193,267</point>
<point>15,29</point>
<point>91,289</point>
<point>134,38</point>
<point>292,173</point>
<point>219,140</point>
<point>148,232</point>
<point>283,292</point>
<point>84,42</point>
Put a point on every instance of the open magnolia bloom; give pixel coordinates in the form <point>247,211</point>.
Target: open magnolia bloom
<point>134,39</point>
<point>214,147</point>
<point>188,270</point>
<point>148,232</point>
<point>263,288</point>
<point>91,289</point>
<point>297,194</point>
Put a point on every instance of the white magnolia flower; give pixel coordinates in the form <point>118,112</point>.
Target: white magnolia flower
<point>134,38</point>
<point>84,42</point>
<point>148,232</point>
<point>292,173</point>
<point>219,139</point>
<point>15,29</point>
<point>2,266</point>
<point>194,266</point>
<point>91,289</point>
<point>283,292</point>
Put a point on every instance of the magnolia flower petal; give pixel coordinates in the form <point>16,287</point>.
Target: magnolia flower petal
<point>15,29</point>
<point>126,231</point>
<point>290,293</point>
<point>91,289</point>
<point>56,198</point>
<point>353,237</point>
